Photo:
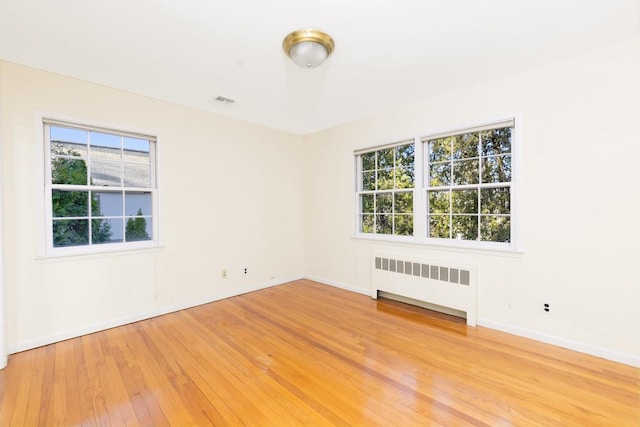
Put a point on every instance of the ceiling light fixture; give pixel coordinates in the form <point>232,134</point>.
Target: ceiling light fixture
<point>308,48</point>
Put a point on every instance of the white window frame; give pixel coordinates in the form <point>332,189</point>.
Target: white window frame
<point>46,246</point>
<point>417,229</point>
<point>421,188</point>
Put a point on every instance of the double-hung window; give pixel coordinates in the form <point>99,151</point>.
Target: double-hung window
<point>99,187</point>
<point>469,185</point>
<point>452,188</point>
<point>386,183</point>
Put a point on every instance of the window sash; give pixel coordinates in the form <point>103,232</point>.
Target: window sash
<point>148,219</point>
<point>495,211</point>
<point>390,222</point>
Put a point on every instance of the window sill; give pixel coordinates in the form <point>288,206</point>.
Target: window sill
<point>465,247</point>
<point>104,253</point>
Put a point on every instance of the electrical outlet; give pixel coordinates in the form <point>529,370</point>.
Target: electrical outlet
<point>546,307</point>
<point>245,270</point>
<point>224,274</point>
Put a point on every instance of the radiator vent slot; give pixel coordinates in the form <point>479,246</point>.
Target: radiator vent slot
<point>426,271</point>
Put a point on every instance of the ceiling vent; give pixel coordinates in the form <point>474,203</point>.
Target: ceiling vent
<point>223,100</point>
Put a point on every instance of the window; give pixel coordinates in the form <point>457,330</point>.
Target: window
<point>449,188</point>
<point>469,185</point>
<point>100,188</point>
<point>385,190</point>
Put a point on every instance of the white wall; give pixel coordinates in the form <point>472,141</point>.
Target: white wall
<point>231,196</point>
<point>3,318</point>
<point>236,195</point>
<point>580,149</point>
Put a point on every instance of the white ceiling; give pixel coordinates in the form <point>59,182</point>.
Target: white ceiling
<point>388,52</point>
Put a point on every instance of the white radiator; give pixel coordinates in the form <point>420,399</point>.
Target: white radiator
<point>436,283</point>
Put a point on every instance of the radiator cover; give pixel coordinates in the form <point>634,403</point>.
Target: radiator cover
<point>452,286</point>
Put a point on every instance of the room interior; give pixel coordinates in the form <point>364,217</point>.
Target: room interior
<point>266,183</point>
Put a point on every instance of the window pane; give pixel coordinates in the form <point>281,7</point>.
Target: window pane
<point>496,169</point>
<point>138,228</point>
<point>464,201</point>
<point>70,232</point>
<point>385,158</point>
<point>105,147</point>
<point>466,172</point>
<point>106,204</point>
<point>384,203</point>
<point>495,228</point>
<point>439,149</point>
<point>136,150</point>
<point>137,175</point>
<point>385,179</point>
<point>496,141</point>
<point>403,225</point>
<point>495,200</point>
<point>464,227</point>
<point>368,181</point>
<point>69,203</point>
<point>137,203</point>
<point>369,161</point>
<point>366,203</point>
<point>439,174</point>
<point>103,153</point>
<point>106,230</point>
<point>405,155</point>
<point>68,171</point>
<point>106,173</point>
<point>62,134</point>
<point>72,149</point>
<point>439,201</point>
<point>99,139</point>
<point>439,226</point>
<point>367,224</point>
<point>403,202</point>
<point>383,224</point>
<point>465,146</point>
<point>404,177</point>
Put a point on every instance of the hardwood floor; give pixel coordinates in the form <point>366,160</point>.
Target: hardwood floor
<point>310,354</point>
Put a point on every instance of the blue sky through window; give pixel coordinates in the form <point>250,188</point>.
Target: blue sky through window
<point>100,139</point>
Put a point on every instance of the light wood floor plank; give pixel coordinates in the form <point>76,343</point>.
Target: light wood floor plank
<point>305,353</point>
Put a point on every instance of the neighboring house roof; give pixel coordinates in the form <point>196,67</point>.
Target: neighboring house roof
<point>107,165</point>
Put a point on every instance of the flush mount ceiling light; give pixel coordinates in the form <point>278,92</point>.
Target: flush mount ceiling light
<point>308,48</point>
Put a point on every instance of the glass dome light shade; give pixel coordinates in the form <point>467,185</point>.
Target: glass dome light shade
<point>308,54</point>
<point>308,48</point>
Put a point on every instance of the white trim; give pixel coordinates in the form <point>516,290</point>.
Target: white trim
<point>384,146</point>
<point>615,356</point>
<point>47,120</point>
<point>340,285</point>
<point>3,307</point>
<point>592,350</point>
<point>44,224</point>
<point>478,128</point>
<point>420,189</point>
<point>96,327</point>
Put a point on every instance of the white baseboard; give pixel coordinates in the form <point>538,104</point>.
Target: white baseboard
<point>61,336</point>
<point>339,285</point>
<point>627,359</point>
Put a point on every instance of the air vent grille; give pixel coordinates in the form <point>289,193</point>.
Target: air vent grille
<point>223,100</point>
<point>426,271</point>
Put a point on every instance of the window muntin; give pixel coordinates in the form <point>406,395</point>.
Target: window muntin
<point>386,182</point>
<point>100,187</point>
<point>468,180</point>
<point>461,192</point>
